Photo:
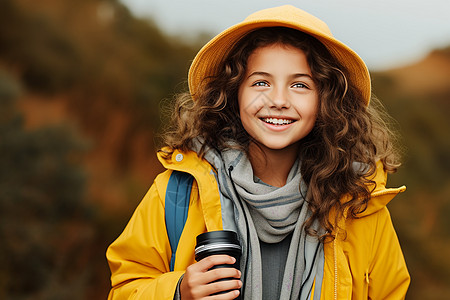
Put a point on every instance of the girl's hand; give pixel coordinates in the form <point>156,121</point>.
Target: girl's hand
<point>199,281</point>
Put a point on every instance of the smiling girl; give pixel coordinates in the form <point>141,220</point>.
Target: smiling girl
<point>278,103</point>
<point>286,148</point>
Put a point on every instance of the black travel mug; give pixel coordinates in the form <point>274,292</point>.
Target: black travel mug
<point>219,242</point>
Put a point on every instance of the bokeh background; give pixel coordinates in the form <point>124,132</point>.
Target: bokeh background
<point>83,90</point>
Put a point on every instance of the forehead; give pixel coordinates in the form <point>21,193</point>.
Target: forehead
<point>278,57</point>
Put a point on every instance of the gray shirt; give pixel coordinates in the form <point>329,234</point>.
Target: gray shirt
<point>273,257</point>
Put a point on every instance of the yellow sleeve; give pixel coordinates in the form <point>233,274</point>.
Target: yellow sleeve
<point>388,275</point>
<point>139,258</point>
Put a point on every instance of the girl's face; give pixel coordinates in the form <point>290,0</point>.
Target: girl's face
<point>278,100</point>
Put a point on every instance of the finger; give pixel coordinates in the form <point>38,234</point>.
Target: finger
<point>227,296</point>
<point>205,290</point>
<point>221,273</point>
<point>199,274</point>
<point>214,260</point>
<point>228,289</point>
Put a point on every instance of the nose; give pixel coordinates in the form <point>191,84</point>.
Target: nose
<point>279,99</point>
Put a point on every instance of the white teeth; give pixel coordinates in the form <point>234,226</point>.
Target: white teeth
<point>277,121</point>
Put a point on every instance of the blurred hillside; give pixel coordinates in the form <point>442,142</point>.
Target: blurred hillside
<point>81,90</point>
<point>81,84</point>
<point>418,97</point>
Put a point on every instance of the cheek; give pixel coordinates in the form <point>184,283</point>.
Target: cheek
<point>246,107</point>
<point>242,107</point>
<point>251,103</point>
<point>308,112</point>
<point>312,108</point>
<point>245,114</point>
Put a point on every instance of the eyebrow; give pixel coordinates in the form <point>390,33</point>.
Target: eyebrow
<point>295,75</point>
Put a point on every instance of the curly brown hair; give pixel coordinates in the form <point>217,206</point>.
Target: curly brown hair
<point>346,129</point>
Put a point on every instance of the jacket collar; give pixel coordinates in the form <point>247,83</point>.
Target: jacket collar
<point>381,195</point>
<point>203,173</point>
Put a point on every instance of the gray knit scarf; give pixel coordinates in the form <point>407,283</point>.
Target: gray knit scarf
<point>267,213</point>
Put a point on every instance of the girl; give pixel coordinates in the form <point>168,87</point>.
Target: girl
<point>287,149</point>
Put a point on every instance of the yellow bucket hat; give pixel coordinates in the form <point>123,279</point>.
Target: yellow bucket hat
<point>208,59</point>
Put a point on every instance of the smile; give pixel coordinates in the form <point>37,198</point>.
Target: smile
<point>276,121</point>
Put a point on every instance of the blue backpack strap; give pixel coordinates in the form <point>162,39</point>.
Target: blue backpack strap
<point>176,208</point>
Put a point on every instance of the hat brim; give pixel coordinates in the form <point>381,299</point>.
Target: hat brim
<point>209,58</point>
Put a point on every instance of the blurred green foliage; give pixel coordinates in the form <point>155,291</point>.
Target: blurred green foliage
<point>100,59</point>
<point>47,58</point>
<point>71,47</point>
<point>42,188</point>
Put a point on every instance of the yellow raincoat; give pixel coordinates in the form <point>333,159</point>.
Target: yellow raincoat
<point>364,261</point>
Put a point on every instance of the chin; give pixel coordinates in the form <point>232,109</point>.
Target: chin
<point>278,146</point>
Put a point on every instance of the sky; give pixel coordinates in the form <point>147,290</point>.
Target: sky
<point>385,33</point>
